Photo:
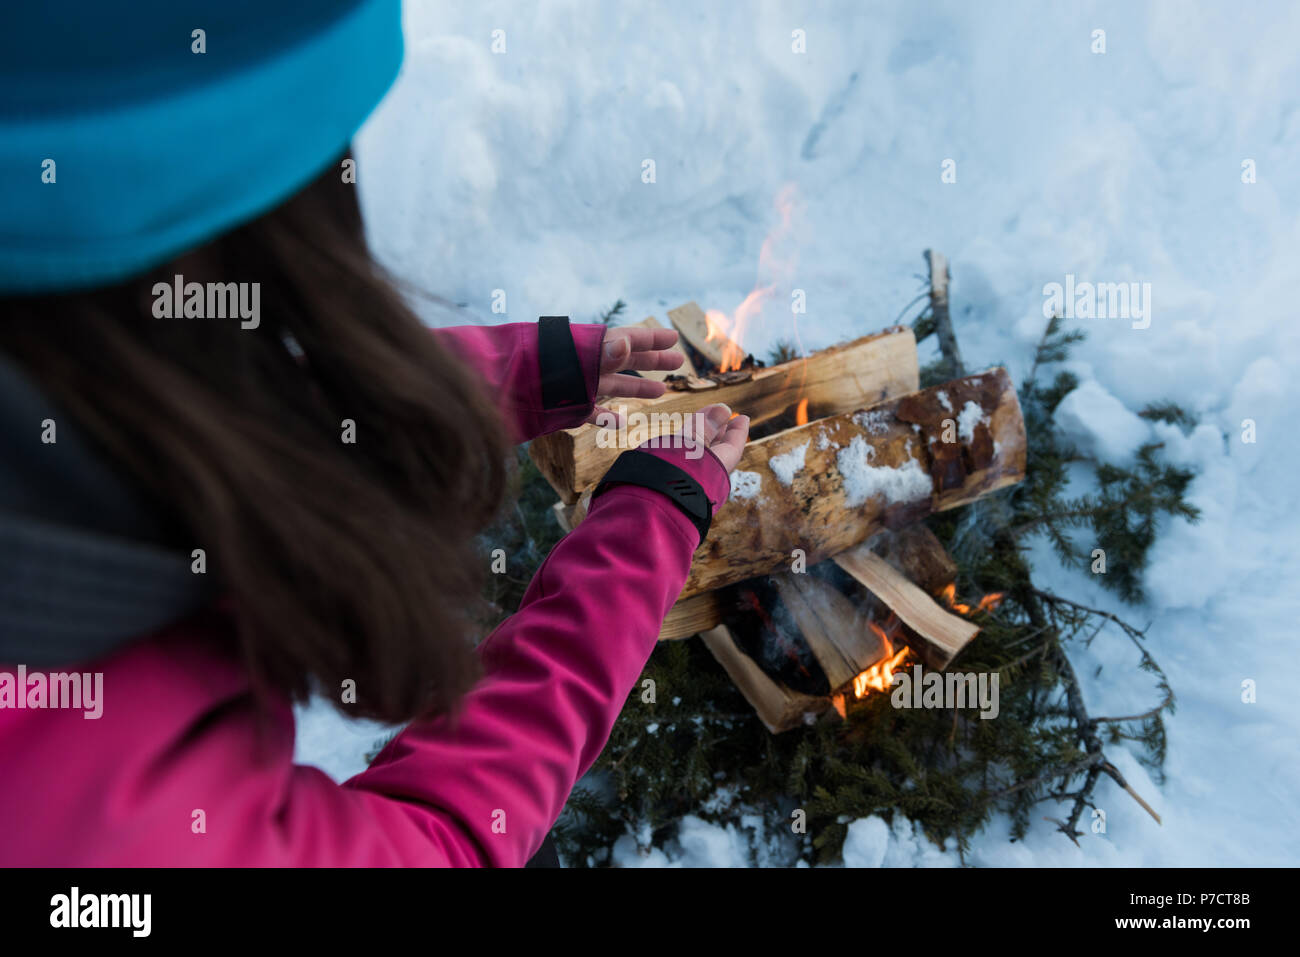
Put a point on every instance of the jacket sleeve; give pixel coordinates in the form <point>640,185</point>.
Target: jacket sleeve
<point>180,767</point>
<point>517,360</point>
<point>492,783</point>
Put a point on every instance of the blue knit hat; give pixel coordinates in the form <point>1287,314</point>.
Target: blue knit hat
<point>127,136</point>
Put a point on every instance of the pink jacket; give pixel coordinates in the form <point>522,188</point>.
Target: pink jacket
<point>180,733</point>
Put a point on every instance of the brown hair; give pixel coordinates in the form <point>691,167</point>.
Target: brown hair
<point>345,561</point>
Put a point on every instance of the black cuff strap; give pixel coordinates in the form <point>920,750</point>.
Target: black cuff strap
<point>650,471</point>
<point>563,384</point>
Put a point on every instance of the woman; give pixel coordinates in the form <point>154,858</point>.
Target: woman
<point>234,469</point>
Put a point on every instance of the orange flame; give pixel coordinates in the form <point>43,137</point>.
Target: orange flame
<point>880,676</point>
<point>801,413</point>
<point>775,266</point>
<point>988,603</point>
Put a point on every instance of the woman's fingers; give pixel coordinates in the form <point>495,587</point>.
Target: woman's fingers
<point>729,443</point>
<point>629,387</point>
<point>636,347</point>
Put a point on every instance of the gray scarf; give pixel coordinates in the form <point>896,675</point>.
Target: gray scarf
<point>83,564</point>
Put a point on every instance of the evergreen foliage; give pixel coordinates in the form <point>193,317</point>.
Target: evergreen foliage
<point>694,746</point>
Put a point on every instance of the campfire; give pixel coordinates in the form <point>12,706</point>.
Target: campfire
<point>818,582</point>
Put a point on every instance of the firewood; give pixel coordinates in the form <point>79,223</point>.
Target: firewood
<point>690,321</point>
<point>854,474</point>
<point>835,631</point>
<point>690,616</point>
<point>835,380</point>
<point>686,368</point>
<point>942,634</point>
<point>913,550</point>
<point>778,707</point>
<point>918,554</point>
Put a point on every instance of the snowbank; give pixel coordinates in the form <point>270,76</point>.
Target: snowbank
<point>523,171</point>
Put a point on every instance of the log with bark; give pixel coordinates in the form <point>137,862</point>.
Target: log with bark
<point>816,490</point>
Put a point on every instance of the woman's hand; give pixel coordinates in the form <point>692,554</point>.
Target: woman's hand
<point>634,348</point>
<point>723,433</point>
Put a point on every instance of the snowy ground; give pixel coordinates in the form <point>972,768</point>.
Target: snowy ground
<point>523,171</point>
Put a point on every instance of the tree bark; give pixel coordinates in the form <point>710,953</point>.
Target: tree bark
<point>862,472</point>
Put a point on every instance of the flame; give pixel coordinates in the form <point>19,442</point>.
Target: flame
<point>801,413</point>
<point>880,676</point>
<point>776,265</point>
<point>988,603</point>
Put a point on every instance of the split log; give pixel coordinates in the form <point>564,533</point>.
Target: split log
<point>835,380</point>
<point>913,550</point>
<point>690,616</point>
<point>691,322</point>
<point>937,635</point>
<point>836,632</point>
<point>778,707</point>
<point>687,368</point>
<point>918,554</point>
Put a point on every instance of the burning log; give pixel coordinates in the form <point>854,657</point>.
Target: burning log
<point>836,632</point>
<point>834,380</point>
<point>913,550</point>
<point>937,635</point>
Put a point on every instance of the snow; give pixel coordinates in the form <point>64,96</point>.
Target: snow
<point>698,843</point>
<point>785,466</point>
<point>745,485</point>
<point>866,843</point>
<point>970,416</point>
<point>863,481</point>
<point>1100,425</point>
<point>877,423</point>
<point>523,172</point>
